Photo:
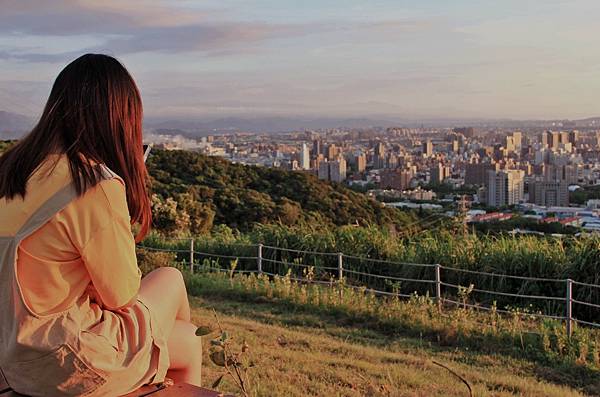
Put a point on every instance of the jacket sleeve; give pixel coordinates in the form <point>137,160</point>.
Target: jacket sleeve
<point>109,253</point>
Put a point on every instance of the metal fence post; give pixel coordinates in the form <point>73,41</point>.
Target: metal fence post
<point>192,256</point>
<point>340,266</point>
<point>569,307</point>
<point>259,258</point>
<point>438,286</point>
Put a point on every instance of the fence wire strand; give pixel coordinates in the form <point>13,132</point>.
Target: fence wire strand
<point>301,251</point>
<point>500,275</point>
<point>393,278</point>
<point>485,291</point>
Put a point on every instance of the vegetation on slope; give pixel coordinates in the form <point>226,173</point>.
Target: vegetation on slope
<point>242,196</point>
<point>303,347</point>
<point>552,258</point>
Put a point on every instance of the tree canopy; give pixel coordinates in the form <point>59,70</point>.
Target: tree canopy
<point>241,196</point>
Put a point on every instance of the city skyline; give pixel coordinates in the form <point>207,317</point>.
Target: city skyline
<point>435,59</point>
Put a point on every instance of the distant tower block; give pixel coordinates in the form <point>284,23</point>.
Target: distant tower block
<point>305,157</point>
<point>428,148</point>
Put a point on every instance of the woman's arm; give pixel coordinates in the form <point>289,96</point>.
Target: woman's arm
<point>109,253</point>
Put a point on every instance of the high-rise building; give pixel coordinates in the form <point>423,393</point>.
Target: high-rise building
<point>305,157</point>
<point>454,146</point>
<point>391,161</point>
<point>317,161</point>
<point>379,149</point>
<point>438,173</point>
<point>574,137</point>
<point>544,139</point>
<point>379,155</point>
<point>397,179</point>
<point>549,193</point>
<point>337,170</point>
<point>509,144</point>
<point>567,173</point>
<point>428,148</point>
<point>361,162</point>
<point>476,173</point>
<point>316,149</point>
<point>552,139</point>
<point>332,152</point>
<point>334,171</point>
<point>378,161</point>
<point>323,170</point>
<point>518,140</point>
<point>505,187</point>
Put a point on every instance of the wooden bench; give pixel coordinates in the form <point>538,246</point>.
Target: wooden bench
<point>177,390</point>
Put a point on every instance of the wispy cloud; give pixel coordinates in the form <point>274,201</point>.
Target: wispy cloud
<point>142,26</point>
<point>126,30</point>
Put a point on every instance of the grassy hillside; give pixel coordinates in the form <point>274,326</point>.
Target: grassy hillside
<point>324,356</point>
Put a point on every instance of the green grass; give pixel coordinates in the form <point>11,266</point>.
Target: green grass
<point>345,350</point>
<point>532,256</point>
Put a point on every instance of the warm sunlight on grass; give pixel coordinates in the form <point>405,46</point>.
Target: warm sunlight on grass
<point>301,354</point>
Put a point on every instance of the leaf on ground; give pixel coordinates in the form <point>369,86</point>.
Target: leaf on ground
<point>217,382</point>
<point>203,331</point>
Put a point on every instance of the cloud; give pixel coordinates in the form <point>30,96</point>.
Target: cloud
<point>222,39</point>
<point>123,28</point>
<point>143,26</point>
<point>84,17</point>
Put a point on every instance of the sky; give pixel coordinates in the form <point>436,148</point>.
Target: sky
<point>519,59</point>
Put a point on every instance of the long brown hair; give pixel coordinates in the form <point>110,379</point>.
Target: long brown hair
<point>93,115</point>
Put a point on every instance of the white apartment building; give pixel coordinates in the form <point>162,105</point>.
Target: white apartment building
<point>505,187</point>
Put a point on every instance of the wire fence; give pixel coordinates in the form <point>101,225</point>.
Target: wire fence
<point>541,297</point>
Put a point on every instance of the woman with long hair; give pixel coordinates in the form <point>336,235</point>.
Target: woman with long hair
<point>76,318</point>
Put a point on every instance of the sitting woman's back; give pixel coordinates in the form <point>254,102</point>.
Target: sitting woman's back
<point>64,252</point>
<point>75,316</point>
<point>74,268</point>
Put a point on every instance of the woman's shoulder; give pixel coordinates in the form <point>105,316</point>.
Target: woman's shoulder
<point>108,196</point>
<point>105,199</point>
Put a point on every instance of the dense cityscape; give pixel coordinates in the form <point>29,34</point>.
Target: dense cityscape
<point>533,171</point>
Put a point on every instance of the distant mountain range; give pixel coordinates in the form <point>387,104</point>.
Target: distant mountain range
<point>13,125</point>
<point>281,124</point>
<point>264,124</point>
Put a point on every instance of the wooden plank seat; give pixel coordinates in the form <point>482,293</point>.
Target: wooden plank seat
<point>177,390</point>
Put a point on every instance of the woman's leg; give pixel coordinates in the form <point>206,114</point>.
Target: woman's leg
<point>185,352</point>
<point>163,290</point>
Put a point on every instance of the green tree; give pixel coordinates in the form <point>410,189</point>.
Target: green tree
<point>167,218</point>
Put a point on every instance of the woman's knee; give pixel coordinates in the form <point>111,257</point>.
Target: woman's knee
<point>164,288</point>
<point>170,272</point>
<point>171,276</point>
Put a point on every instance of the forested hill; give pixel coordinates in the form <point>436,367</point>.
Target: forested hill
<point>240,196</point>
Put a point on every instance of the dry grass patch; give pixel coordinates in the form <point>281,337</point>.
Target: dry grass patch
<point>315,361</point>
